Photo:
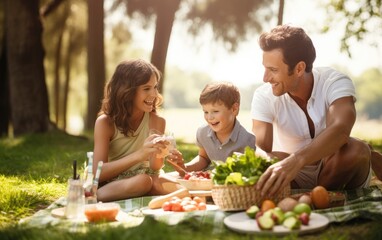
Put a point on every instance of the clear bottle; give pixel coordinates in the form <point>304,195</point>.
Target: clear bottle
<point>88,184</point>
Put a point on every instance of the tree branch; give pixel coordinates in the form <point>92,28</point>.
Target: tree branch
<point>50,7</point>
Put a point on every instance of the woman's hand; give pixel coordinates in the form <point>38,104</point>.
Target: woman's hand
<point>151,147</point>
<point>156,148</point>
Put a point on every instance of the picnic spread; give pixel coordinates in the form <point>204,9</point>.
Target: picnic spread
<point>363,203</point>
<point>228,202</point>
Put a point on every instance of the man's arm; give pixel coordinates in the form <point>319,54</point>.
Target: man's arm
<point>264,134</point>
<point>340,119</point>
<point>339,122</point>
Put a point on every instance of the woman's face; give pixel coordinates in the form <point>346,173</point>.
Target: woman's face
<point>146,94</point>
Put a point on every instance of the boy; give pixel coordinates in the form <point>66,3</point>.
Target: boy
<point>223,133</point>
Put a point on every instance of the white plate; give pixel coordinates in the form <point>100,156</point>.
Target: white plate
<point>161,212</point>
<point>240,222</point>
<point>60,213</point>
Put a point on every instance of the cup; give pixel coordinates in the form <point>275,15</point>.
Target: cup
<point>75,201</point>
<point>170,137</point>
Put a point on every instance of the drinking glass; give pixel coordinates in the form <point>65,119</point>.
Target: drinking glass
<point>75,201</point>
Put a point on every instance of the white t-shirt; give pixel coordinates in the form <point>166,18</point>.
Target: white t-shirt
<point>290,126</point>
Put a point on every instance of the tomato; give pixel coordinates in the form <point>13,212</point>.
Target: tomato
<point>185,202</point>
<point>176,207</point>
<point>186,199</point>
<point>198,199</point>
<point>202,206</point>
<point>190,208</point>
<point>166,206</point>
<point>187,176</point>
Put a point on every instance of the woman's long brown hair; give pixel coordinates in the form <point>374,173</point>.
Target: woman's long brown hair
<point>120,91</point>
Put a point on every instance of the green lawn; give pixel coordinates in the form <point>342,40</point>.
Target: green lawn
<point>33,173</point>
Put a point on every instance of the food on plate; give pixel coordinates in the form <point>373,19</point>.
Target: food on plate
<point>197,175</point>
<point>320,197</point>
<point>302,208</point>
<point>304,218</point>
<point>287,204</point>
<point>267,204</point>
<point>186,204</point>
<point>252,211</point>
<point>265,222</point>
<point>158,201</point>
<point>305,199</point>
<point>277,215</point>
<point>101,212</point>
<point>292,223</point>
<point>270,215</point>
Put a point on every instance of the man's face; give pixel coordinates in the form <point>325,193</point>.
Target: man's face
<point>276,73</point>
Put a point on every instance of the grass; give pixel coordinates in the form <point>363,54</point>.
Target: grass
<point>33,173</point>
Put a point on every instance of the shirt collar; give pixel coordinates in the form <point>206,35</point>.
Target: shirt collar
<point>234,134</point>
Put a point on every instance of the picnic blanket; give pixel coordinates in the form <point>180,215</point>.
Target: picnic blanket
<point>364,203</point>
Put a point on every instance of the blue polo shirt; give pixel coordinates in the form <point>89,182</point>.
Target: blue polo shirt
<point>239,139</point>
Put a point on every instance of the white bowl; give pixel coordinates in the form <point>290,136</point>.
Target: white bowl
<point>196,184</point>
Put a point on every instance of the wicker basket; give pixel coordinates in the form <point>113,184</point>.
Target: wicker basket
<point>236,198</point>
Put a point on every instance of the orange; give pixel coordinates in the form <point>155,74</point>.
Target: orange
<point>267,204</point>
<point>320,197</point>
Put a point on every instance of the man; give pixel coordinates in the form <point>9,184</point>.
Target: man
<point>304,116</point>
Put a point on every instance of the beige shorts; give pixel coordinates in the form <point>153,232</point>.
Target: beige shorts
<point>307,178</point>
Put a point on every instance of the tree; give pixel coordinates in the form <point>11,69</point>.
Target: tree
<point>230,21</point>
<point>64,40</point>
<point>165,11</point>
<point>281,12</point>
<point>362,17</point>
<point>26,74</point>
<point>96,60</point>
<point>4,84</point>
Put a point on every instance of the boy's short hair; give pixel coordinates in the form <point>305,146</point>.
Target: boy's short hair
<point>224,92</point>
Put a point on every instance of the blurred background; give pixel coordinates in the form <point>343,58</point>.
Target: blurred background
<point>56,55</point>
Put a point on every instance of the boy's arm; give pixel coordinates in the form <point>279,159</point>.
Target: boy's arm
<point>199,163</point>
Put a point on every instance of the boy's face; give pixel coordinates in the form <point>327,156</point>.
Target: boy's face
<point>219,117</point>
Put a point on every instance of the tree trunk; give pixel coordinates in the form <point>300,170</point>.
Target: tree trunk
<point>25,56</point>
<point>281,13</point>
<point>166,10</point>
<point>67,79</point>
<point>4,91</point>
<point>56,83</point>
<point>96,60</point>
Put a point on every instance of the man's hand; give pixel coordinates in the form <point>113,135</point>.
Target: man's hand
<point>278,175</point>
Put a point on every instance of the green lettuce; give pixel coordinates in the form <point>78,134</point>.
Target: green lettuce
<point>241,169</point>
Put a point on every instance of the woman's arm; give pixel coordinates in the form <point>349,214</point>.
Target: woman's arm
<point>103,131</point>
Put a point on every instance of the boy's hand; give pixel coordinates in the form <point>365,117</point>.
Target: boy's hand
<point>177,162</point>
